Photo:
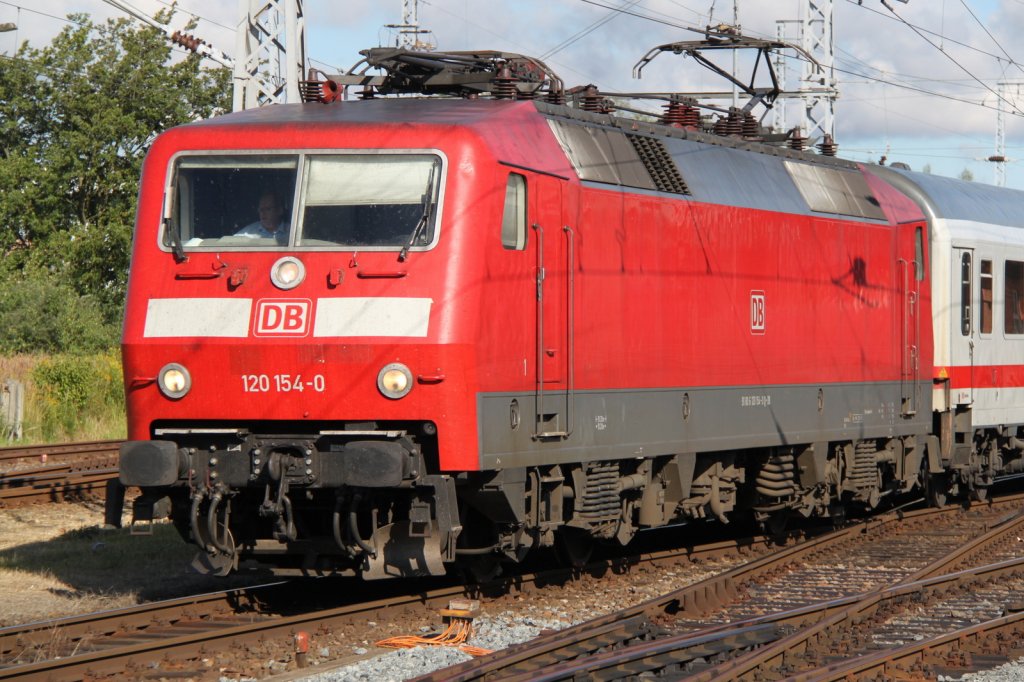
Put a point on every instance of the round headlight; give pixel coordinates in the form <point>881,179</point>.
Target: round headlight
<point>174,381</point>
<point>394,380</point>
<point>287,273</point>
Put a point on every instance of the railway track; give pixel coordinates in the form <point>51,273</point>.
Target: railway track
<point>200,637</point>
<point>51,473</point>
<point>755,621</point>
<point>742,623</point>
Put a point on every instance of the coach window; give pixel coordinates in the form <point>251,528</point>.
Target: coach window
<point>965,294</point>
<point>513,221</point>
<point>985,323</point>
<point>1014,299</point>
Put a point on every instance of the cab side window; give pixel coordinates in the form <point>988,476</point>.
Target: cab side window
<point>513,221</point>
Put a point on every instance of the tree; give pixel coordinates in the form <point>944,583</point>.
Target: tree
<point>967,175</point>
<point>76,118</point>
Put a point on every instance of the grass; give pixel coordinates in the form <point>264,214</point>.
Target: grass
<point>52,414</point>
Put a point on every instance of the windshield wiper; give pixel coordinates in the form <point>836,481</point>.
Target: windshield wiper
<point>428,204</point>
<point>176,248</point>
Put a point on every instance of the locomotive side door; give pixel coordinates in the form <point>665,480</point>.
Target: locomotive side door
<point>963,329</point>
<point>911,274</point>
<point>553,240</point>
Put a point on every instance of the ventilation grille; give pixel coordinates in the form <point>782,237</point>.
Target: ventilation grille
<point>659,164</point>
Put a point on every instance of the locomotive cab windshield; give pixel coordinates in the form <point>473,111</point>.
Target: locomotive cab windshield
<point>382,201</point>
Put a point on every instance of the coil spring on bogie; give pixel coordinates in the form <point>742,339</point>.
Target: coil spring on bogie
<point>600,498</point>
<point>775,479</point>
<point>864,473</point>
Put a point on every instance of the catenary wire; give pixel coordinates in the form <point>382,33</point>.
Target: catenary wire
<point>952,59</point>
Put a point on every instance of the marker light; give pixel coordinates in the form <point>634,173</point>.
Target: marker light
<point>174,381</point>
<point>287,273</point>
<point>394,381</point>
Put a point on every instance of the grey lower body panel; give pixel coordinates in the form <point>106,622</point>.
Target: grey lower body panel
<point>616,424</point>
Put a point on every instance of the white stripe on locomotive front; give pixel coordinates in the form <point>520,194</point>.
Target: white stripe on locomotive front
<point>372,317</point>
<point>217,317</point>
<point>335,317</point>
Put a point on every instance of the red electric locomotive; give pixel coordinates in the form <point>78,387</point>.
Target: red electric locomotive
<point>377,336</point>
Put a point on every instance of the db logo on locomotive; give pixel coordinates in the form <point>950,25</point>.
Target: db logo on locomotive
<point>281,317</point>
<point>757,312</point>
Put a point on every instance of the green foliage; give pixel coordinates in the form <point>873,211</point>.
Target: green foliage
<point>39,313</point>
<point>68,391</point>
<point>76,118</point>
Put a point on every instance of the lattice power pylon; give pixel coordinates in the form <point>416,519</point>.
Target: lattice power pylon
<point>1009,91</point>
<point>270,53</point>
<point>410,35</point>
<point>817,84</point>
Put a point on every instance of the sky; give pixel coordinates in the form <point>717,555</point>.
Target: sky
<point>918,84</point>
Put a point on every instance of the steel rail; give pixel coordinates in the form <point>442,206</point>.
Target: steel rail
<point>151,638</point>
<point>774,653</point>
<point>615,628</point>
<point>768,633</point>
<point>58,449</point>
<point>684,649</point>
<point>896,663</point>
<point>60,483</point>
<point>75,469</point>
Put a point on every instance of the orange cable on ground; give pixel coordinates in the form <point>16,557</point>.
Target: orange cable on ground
<point>455,635</point>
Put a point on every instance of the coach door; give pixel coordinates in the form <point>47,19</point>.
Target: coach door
<point>963,316</point>
<point>554,242</point>
<point>911,274</point>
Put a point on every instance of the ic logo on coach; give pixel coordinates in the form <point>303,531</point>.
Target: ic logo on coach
<point>282,317</point>
<point>757,312</point>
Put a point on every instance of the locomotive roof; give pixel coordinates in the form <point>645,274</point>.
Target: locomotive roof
<point>437,111</point>
<point>716,169</point>
<point>953,199</point>
<point>450,111</point>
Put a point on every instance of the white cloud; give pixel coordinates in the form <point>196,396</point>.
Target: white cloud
<point>869,41</point>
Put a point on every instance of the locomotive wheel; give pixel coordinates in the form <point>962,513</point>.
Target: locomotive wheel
<point>979,493</point>
<point>574,546</point>
<point>774,524</point>
<point>936,487</point>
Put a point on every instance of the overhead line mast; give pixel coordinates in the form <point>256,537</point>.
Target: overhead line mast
<point>817,82</point>
<point>409,31</point>
<point>270,47</point>
<point>270,50</point>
